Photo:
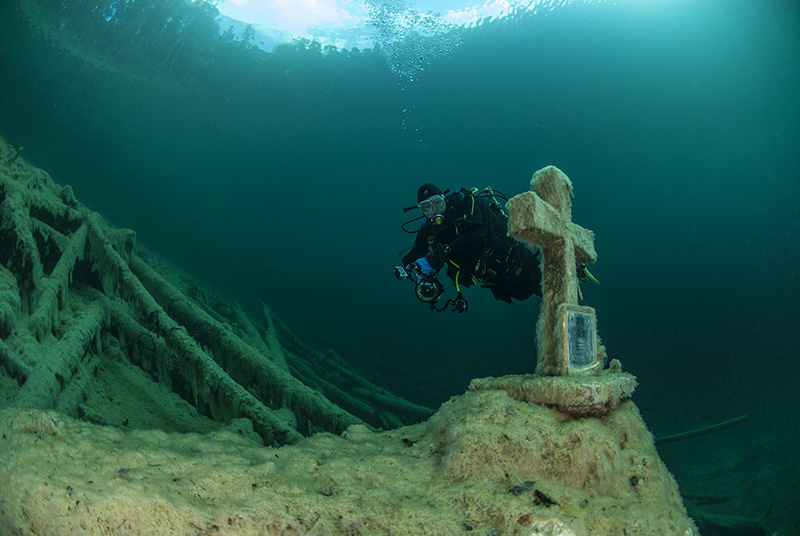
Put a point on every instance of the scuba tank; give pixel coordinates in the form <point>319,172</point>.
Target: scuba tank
<point>495,204</point>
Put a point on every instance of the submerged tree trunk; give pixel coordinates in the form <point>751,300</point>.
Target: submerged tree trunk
<point>71,284</point>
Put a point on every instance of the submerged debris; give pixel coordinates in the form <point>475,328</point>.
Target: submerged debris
<point>522,488</point>
<point>542,499</point>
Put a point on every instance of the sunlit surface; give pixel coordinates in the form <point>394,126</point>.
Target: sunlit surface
<point>361,23</point>
<point>296,16</point>
<point>411,34</point>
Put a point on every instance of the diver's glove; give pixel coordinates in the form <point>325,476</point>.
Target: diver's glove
<point>438,256</point>
<point>425,269</point>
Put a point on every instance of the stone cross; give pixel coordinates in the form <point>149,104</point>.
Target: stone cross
<point>566,332</point>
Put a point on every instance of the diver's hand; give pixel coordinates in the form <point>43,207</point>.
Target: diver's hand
<point>438,257</point>
<point>424,268</point>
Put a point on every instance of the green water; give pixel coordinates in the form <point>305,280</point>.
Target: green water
<point>281,177</point>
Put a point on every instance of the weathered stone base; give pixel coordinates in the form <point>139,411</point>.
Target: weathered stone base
<point>582,396</point>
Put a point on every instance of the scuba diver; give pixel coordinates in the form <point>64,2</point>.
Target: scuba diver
<point>466,232</point>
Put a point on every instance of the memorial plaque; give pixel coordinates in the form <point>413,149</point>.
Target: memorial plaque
<point>576,344</point>
<point>581,343</point>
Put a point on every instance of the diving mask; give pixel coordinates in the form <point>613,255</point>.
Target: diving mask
<point>432,206</point>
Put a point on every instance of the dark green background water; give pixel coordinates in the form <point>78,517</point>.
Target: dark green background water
<point>283,180</point>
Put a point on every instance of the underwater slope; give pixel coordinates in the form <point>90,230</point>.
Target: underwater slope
<point>79,296</point>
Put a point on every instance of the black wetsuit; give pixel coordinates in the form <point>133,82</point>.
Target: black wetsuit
<point>478,243</point>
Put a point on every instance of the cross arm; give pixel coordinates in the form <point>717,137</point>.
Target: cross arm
<point>536,222</point>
